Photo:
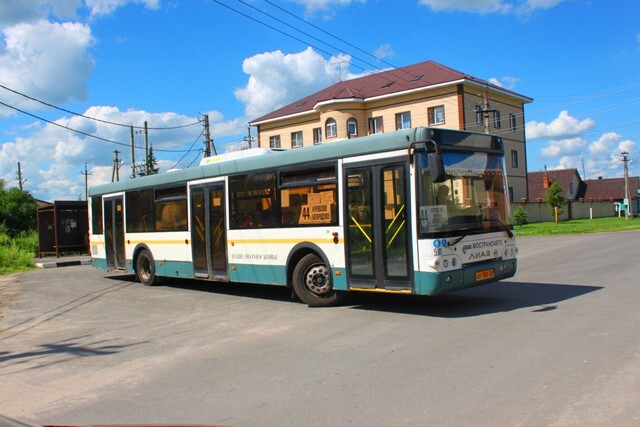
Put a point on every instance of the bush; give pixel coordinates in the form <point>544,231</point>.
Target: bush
<point>520,217</point>
<point>17,253</point>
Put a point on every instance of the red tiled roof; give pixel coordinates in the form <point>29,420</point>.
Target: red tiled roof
<point>610,188</point>
<point>397,80</point>
<point>535,181</point>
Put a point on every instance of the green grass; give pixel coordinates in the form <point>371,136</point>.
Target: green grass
<point>578,226</point>
<point>17,253</point>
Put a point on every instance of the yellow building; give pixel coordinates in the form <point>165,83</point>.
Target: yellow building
<point>424,94</point>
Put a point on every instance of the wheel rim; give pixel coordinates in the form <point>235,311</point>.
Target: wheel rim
<point>318,280</point>
<point>145,268</point>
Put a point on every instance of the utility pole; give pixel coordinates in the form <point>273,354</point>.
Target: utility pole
<point>147,167</point>
<point>248,138</point>
<point>208,142</point>
<point>19,177</point>
<point>86,182</point>
<point>486,109</point>
<point>115,174</point>
<point>133,156</point>
<point>627,199</point>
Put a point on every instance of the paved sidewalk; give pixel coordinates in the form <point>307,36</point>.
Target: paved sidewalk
<point>63,261</point>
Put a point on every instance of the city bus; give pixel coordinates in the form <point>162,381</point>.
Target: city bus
<point>418,211</point>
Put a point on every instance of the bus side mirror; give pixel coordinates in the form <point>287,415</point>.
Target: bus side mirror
<point>436,168</point>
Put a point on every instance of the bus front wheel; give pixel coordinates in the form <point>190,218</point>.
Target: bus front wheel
<point>312,282</point>
<point>146,268</point>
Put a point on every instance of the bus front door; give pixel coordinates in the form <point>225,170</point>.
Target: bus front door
<point>208,232</point>
<point>114,233</point>
<point>378,237</point>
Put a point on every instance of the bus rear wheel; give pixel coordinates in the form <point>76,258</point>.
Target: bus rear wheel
<point>312,282</point>
<point>146,268</point>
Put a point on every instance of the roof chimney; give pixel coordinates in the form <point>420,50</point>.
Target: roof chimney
<point>545,178</point>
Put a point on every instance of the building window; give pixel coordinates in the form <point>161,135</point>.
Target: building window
<point>436,115</point>
<point>496,119</point>
<point>479,116</point>
<point>317,135</point>
<point>274,141</point>
<point>511,194</point>
<point>403,120</point>
<point>331,130</point>
<point>512,122</point>
<point>352,127</point>
<point>296,139</point>
<point>375,125</point>
<point>514,159</point>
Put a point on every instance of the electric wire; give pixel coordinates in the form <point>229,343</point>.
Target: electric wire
<point>187,152</point>
<point>336,37</point>
<point>93,118</point>
<point>81,132</point>
<point>324,42</point>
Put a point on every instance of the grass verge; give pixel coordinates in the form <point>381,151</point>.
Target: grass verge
<point>17,253</point>
<point>578,226</point>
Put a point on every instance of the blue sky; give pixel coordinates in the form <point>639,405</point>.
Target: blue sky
<point>168,61</point>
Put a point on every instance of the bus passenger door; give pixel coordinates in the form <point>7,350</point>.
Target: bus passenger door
<point>378,237</point>
<point>208,232</point>
<point>114,233</point>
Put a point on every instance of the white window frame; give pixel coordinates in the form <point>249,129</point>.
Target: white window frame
<point>436,115</point>
<point>295,139</point>
<point>376,125</point>
<point>274,141</point>
<point>331,128</point>
<point>403,120</point>
<point>317,136</point>
<point>351,122</point>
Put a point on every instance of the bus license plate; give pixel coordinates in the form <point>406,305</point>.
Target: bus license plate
<point>484,275</point>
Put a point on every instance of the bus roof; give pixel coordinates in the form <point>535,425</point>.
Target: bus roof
<point>270,159</point>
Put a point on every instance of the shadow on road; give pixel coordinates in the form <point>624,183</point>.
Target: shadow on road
<point>487,299</point>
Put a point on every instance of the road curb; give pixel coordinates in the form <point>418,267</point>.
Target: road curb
<point>56,264</point>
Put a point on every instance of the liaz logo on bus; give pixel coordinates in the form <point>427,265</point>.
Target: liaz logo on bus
<point>485,249</point>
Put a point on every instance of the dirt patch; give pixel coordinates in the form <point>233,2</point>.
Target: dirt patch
<point>9,292</point>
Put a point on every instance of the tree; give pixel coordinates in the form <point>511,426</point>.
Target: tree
<point>151,164</point>
<point>554,198</point>
<point>18,210</point>
<point>520,217</point>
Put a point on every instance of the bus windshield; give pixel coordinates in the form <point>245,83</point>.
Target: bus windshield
<point>472,199</point>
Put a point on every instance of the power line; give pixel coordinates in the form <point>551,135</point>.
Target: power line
<point>89,117</point>
<point>334,36</point>
<point>317,39</point>
<point>79,131</point>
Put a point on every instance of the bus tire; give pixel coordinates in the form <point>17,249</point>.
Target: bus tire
<point>146,268</point>
<point>312,282</point>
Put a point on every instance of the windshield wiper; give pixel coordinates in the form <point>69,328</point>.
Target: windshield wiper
<point>459,238</point>
<point>502,224</point>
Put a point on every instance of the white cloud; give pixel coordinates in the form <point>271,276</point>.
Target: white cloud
<point>313,6</point>
<point>490,6</point>
<point>385,51</point>
<point>53,68</point>
<point>563,126</point>
<point>276,79</point>
<point>51,157</point>
<point>19,11</point>
<point>506,82</point>
<point>106,7</point>
<point>563,147</point>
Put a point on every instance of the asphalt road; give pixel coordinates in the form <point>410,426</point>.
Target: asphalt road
<point>557,345</point>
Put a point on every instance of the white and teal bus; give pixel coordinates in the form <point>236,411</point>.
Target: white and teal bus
<point>418,211</point>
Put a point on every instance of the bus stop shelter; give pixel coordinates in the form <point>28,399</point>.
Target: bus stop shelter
<point>63,226</point>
